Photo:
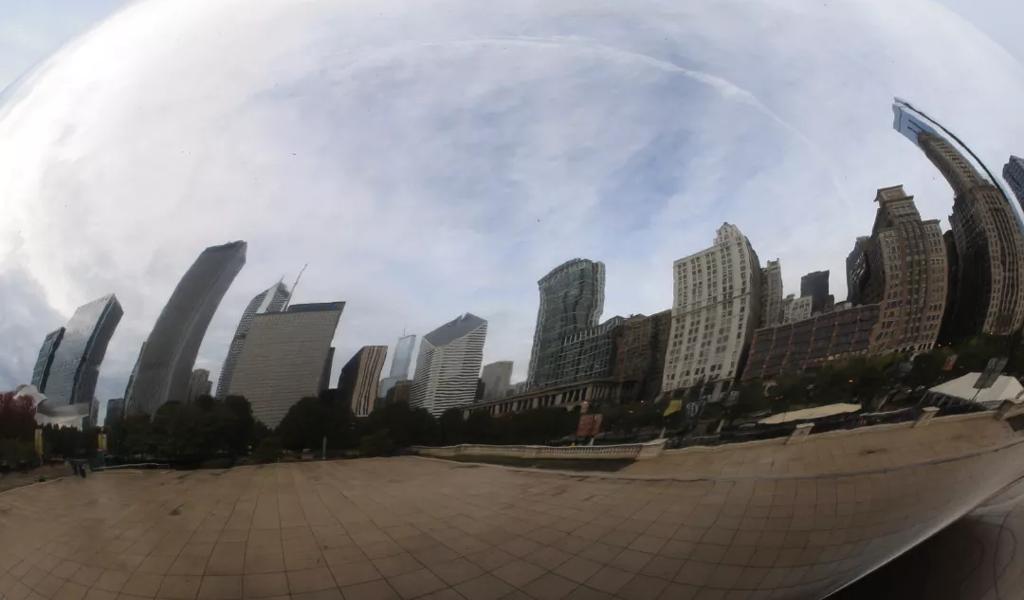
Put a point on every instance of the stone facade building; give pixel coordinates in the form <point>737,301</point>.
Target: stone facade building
<point>640,345</point>
<point>717,306</point>
<point>772,311</point>
<point>797,309</point>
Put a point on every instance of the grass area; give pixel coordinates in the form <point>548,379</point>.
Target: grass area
<point>607,465</point>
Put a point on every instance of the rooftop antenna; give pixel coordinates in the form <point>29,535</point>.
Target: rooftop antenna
<point>294,285</point>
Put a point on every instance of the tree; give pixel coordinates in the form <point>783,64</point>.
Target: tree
<point>452,427</point>
<point>311,419</point>
<point>17,417</point>
<point>751,398</point>
<point>405,426</point>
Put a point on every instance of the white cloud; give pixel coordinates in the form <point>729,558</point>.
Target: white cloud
<point>431,160</point>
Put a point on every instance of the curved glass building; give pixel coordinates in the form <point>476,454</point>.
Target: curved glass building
<point>165,364</point>
<point>69,361</point>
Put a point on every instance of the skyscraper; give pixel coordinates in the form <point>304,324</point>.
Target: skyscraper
<point>73,354</point>
<point>640,345</point>
<point>815,286</point>
<point>357,383</point>
<point>286,357</point>
<point>199,384</point>
<point>1013,173</point>
<point>771,294</point>
<point>716,310</point>
<point>571,301</point>
<point>165,363</point>
<point>271,299</point>
<point>906,273</point>
<point>115,411</point>
<point>41,371</point>
<point>497,377</point>
<point>857,270</point>
<point>400,362</point>
<point>989,243</point>
<point>448,365</point>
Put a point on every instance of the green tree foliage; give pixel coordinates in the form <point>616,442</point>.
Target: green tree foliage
<point>267,450</point>
<point>311,419</point>
<point>17,418</point>
<point>377,443</point>
<point>404,425</point>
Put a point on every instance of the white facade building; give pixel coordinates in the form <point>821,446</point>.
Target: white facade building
<point>448,365</point>
<point>798,309</point>
<point>717,305</point>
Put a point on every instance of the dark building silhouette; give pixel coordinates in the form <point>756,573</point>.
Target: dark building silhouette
<point>272,299</point>
<point>815,286</point>
<point>115,411</point>
<point>987,233</point>
<point>165,363</point>
<point>571,302</point>
<point>641,343</point>
<point>74,353</point>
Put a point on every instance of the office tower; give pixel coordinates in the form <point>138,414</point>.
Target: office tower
<point>448,365</point>
<point>496,377</point>
<point>286,357</point>
<point>641,343</point>
<point>199,384</point>
<point>115,411</point>
<point>400,362</point>
<point>771,294</point>
<point>857,270</point>
<point>587,354</point>
<point>94,414</point>
<point>41,371</point>
<point>717,305</point>
<point>399,392</point>
<point>797,309</point>
<point>357,383</point>
<point>69,360</point>
<point>165,363</point>
<point>571,301</point>
<point>815,285</point>
<point>987,233</point>
<point>1013,173</point>
<point>905,274</point>
<point>272,299</point>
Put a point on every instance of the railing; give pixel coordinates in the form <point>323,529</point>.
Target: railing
<point>612,452</point>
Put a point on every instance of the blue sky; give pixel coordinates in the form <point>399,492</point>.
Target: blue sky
<point>432,160</point>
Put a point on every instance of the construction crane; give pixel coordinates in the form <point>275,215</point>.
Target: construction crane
<point>294,285</point>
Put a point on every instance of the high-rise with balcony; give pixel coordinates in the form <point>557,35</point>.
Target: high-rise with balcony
<point>717,305</point>
<point>286,357</point>
<point>771,294</point>
<point>571,302</point>
<point>357,383</point>
<point>69,361</point>
<point>448,365</point>
<point>272,299</point>
<point>905,274</point>
<point>165,363</point>
<point>988,294</point>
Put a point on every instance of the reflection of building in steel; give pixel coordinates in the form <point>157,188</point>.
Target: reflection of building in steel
<point>357,383</point>
<point>69,361</point>
<point>815,286</point>
<point>771,294</point>
<point>571,302</point>
<point>166,360</point>
<point>115,411</point>
<point>857,270</point>
<point>569,396</point>
<point>989,242</point>
<point>904,270</point>
<point>449,364</point>
<point>641,343</point>
<point>717,307</point>
<point>398,392</point>
<point>272,299</point>
<point>199,384</point>
<point>41,371</point>
<point>400,363</point>
<point>794,347</point>
<point>496,378</point>
<point>286,357</point>
<point>797,309</point>
<point>1013,173</point>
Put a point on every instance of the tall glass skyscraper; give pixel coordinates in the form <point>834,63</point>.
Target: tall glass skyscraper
<point>399,364</point>
<point>571,301</point>
<point>269,300</point>
<point>69,361</point>
<point>165,363</point>
<point>988,290</point>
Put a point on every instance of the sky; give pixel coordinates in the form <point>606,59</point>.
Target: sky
<point>432,158</point>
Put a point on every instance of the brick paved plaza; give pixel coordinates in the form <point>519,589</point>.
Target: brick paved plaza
<point>765,520</point>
